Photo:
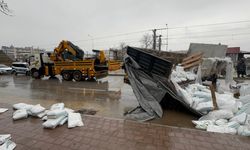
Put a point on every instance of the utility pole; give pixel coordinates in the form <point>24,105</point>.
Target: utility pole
<point>154,39</point>
<point>159,42</point>
<point>167,38</point>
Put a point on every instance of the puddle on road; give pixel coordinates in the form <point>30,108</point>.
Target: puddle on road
<point>109,97</point>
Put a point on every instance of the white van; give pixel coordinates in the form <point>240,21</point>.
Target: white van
<point>20,68</point>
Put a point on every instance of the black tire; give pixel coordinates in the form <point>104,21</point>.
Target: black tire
<point>77,75</point>
<point>35,74</point>
<point>66,75</point>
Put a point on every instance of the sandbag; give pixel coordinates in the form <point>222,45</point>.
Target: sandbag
<point>221,122</point>
<point>20,114</point>
<point>2,110</point>
<point>244,109</point>
<point>42,114</point>
<point>202,124</point>
<point>233,124</point>
<point>63,121</point>
<point>241,118</point>
<point>244,131</point>
<point>186,97</point>
<point>53,114</point>
<point>245,99</point>
<point>8,145</point>
<point>35,110</point>
<point>221,129</point>
<point>205,106</point>
<point>22,106</point>
<point>57,106</point>
<point>52,123</point>
<point>74,120</point>
<point>217,114</point>
<point>4,138</point>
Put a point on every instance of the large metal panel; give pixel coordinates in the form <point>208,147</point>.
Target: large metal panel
<point>150,63</point>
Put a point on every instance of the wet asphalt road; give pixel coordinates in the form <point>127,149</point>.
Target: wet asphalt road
<point>109,96</point>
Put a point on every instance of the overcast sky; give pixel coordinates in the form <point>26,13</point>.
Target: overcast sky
<point>45,23</point>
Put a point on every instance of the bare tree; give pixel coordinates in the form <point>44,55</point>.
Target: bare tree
<point>146,41</point>
<point>122,45</point>
<point>5,9</point>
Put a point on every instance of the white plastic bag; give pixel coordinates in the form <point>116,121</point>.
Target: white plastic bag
<point>57,106</point>
<point>233,124</point>
<point>20,114</point>
<point>221,129</point>
<point>244,109</point>
<point>74,120</point>
<point>42,114</point>
<point>35,110</point>
<point>52,123</point>
<point>22,106</point>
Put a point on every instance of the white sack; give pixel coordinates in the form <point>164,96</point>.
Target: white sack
<point>217,114</point>
<point>8,145</point>
<point>205,106</point>
<point>74,120</point>
<point>45,118</point>
<point>57,106</point>
<point>52,123</point>
<point>52,114</point>
<point>4,138</point>
<point>2,110</point>
<point>245,99</point>
<point>245,108</point>
<point>42,114</point>
<point>20,114</point>
<point>68,110</point>
<point>202,124</point>
<point>221,129</point>
<point>63,121</point>
<point>35,110</point>
<point>241,118</point>
<point>233,124</point>
<point>22,106</point>
<point>244,131</point>
<point>186,97</point>
<point>221,122</point>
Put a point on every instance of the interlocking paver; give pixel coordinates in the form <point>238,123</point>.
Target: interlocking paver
<point>107,133</point>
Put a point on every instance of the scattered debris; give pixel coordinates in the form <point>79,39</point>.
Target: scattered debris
<point>55,116</point>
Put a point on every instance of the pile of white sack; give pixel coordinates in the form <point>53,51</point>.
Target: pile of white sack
<point>232,116</point>
<point>57,115</point>
<point>179,75</point>
<point>6,143</point>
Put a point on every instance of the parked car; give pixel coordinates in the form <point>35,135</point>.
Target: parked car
<point>20,68</point>
<point>5,69</point>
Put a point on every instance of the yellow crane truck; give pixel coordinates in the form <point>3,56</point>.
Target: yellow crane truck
<point>68,60</point>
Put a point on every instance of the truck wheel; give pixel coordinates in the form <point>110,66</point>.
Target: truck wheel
<point>66,75</point>
<point>35,74</point>
<point>77,75</point>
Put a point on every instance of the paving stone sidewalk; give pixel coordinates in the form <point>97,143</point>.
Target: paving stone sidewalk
<point>101,133</point>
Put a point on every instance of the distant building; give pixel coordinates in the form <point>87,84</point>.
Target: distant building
<point>20,53</point>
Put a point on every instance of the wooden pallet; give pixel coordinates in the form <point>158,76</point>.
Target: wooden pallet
<point>192,60</point>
